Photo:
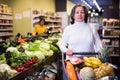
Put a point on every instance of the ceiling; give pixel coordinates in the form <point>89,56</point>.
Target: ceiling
<point>101,3</point>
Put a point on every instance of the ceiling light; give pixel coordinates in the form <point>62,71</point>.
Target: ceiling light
<point>95,2</point>
<point>86,4</point>
<point>93,10</point>
<point>91,15</point>
<point>89,12</point>
<point>96,14</point>
<point>102,10</point>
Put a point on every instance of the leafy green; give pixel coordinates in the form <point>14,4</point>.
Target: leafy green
<point>30,54</point>
<point>17,59</point>
<point>39,55</point>
<point>33,47</point>
<point>54,49</point>
<point>45,45</point>
<point>5,44</point>
<point>24,45</point>
<point>2,58</point>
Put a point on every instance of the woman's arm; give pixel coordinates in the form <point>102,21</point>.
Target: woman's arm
<point>64,42</point>
<point>97,40</point>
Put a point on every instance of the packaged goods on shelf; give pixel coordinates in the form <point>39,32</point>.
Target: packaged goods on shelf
<point>111,22</point>
<point>6,22</point>
<point>111,35</point>
<point>5,9</point>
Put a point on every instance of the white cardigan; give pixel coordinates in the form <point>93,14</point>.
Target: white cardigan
<point>80,37</point>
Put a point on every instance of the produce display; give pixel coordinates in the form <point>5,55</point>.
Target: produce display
<point>23,52</point>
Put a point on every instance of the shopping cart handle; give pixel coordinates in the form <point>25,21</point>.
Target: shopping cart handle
<point>85,53</point>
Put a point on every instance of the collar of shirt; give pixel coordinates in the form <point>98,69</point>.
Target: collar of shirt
<point>79,23</point>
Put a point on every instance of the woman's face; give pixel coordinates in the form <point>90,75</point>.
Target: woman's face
<point>79,14</point>
<point>42,22</point>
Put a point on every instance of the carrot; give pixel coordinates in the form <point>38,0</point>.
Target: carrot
<point>70,71</point>
<point>20,40</point>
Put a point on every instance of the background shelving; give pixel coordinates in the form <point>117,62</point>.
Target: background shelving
<point>53,20</point>
<point>6,22</point>
<point>111,36</point>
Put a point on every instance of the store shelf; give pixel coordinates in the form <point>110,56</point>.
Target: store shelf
<point>6,29</point>
<point>37,15</point>
<point>108,37</point>
<point>54,26</point>
<point>110,27</point>
<point>111,38</point>
<point>6,22</point>
<point>5,13</point>
<point>29,71</point>
<point>6,19</point>
<point>115,55</point>
<point>115,46</point>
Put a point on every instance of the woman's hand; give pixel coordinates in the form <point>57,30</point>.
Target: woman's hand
<point>69,52</point>
<point>75,60</point>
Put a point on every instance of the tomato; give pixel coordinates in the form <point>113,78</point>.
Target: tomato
<point>35,60</point>
<point>28,63</point>
<point>20,68</point>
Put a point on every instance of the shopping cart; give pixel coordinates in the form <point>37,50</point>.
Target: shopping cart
<point>78,55</point>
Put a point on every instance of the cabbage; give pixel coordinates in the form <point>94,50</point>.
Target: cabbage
<point>42,44</point>
<point>45,45</point>
<point>29,54</point>
<point>39,55</point>
<point>24,45</point>
<point>37,42</point>
<point>12,49</point>
<point>46,52</point>
<point>33,47</point>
